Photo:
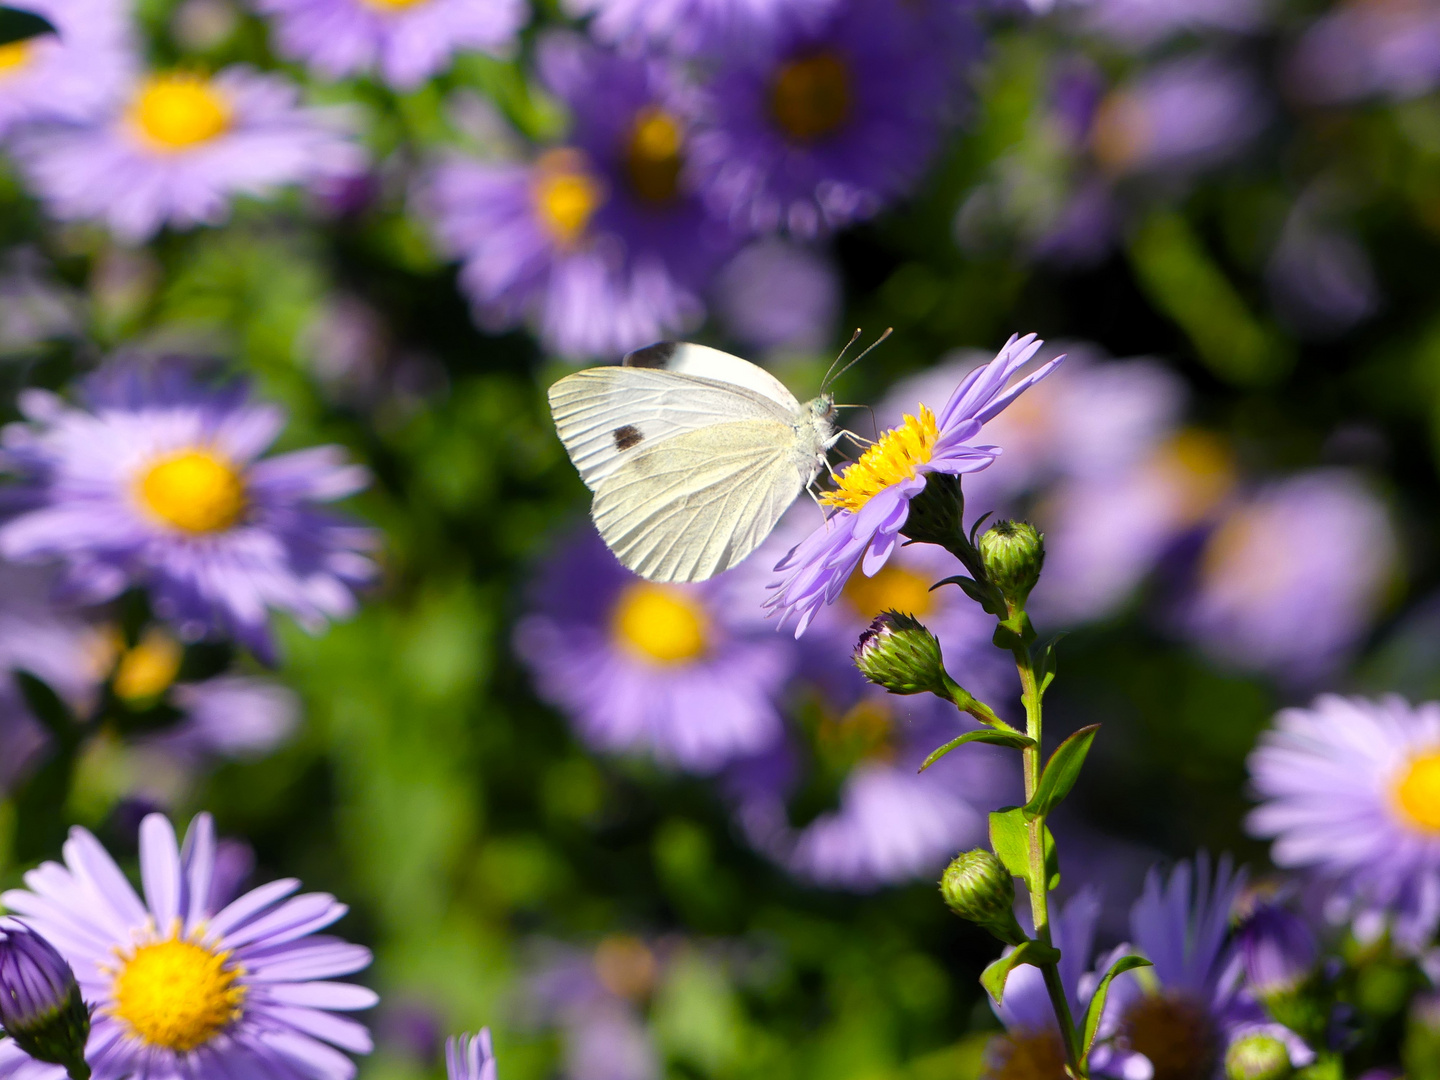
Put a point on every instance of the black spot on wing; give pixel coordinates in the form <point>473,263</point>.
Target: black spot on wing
<point>627,436</point>
<point>658,355</point>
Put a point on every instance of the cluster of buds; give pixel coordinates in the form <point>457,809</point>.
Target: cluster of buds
<point>40,1004</point>
<point>976,886</point>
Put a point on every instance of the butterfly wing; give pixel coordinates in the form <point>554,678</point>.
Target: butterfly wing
<point>697,503</point>
<point>683,358</point>
<point>605,415</point>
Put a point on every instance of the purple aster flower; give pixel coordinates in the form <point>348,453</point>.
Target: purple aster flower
<point>181,988</point>
<point>181,147</point>
<point>407,41</point>
<point>1031,1045</point>
<point>1291,579</point>
<point>683,672</point>
<point>595,998</point>
<point>470,1057</point>
<point>1350,794</point>
<point>779,296</point>
<point>1178,117</point>
<point>600,245</point>
<point>820,125</point>
<point>74,75</point>
<point>1138,24</point>
<point>872,501</point>
<point>1384,48</point>
<point>158,482</point>
<point>1278,948</point>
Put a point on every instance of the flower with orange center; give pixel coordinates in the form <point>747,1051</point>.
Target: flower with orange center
<point>179,111</point>
<point>567,192</point>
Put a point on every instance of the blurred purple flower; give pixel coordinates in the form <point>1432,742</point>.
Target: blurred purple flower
<point>1179,116</point>
<point>1139,24</point>
<point>601,244</point>
<point>872,503</point>
<point>1379,48</point>
<point>1350,793</point>
<point>1319,275</point>
<point>689,26</point>
<point>826,124</point>
<point>470,1057</point>
<point>74,75</point>
<point>181,148</point>
<point>778,295</point>
<point>408,41</point>
<point>687,673</point>
<point>1278,948</point>
<point>180,988</point>
<point>155,482</point>
<point>1291,579</point>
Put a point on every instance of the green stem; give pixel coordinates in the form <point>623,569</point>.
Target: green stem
<point>1039,878</point>
<point>967,702</point>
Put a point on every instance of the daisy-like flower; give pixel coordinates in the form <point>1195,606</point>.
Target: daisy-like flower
<point>600,245</point>
<point>182,988</point>
<point>1291,579</point>
<point>818,125</point>
<point>73,75</point>
<point>406,40</point>
<point>1350,793</point>
<point>681,672</point>
<point>470,1057</point>
<point>180,147</point>
<point>872,497</point>
<point>158,482</point>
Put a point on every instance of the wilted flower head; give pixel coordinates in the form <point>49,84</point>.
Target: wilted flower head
<point>180,147</point>
<point>157,481</point>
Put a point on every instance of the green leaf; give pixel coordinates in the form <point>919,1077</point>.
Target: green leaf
<point>1049,663</point>
<point>1031,952</point>
<point>17,25</point>
<point>982,592</point>
<point>1061,772</point>
<point>1010,840</point>
<point>1096,1008</point>
<point>985,735</point>
<point>47,707</point>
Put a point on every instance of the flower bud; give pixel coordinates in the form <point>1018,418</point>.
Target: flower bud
<point>898,653</point>
<point>977,887</point>
<point>1278,949</point>
<point>40,1004</point>
<point>1013,553</point>
<point>1257,1056</point>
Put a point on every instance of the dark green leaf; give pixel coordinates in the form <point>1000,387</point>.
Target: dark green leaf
<point>1096,1008</point>
<point>1049,664</point>
<point>17,25</point>
<point>1031,952</point>
<point>982,592</point>
<point>47,707</point>
<point>1010,840</point>
<point>1061,772</point>
<point>985,735</point>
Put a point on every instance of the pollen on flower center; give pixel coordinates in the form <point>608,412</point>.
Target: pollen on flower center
<point>811,97</point>
<point>176,993</point>
<point>567,194</point>
<point>891,589</point>
<point>15,56</point>
<point>895,457</point>
<point>195,491</point>
<point>660,624</point>
<point>1417,791</point>
<point>652,155</point>
<point>147,671</point>
<point>179,110</point>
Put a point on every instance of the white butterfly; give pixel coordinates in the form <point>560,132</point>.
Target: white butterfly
<point>693,455</point>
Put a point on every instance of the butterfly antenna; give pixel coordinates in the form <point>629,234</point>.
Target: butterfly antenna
<point>826,381</point>
<point>873,346</point>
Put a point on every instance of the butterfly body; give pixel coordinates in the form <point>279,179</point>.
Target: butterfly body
<point>693,455</point>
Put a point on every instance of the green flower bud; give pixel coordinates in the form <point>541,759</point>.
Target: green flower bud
<point>898,653</point>
<point>1013,553</point>
<point>1257,1057</point>
<point>976,886</point>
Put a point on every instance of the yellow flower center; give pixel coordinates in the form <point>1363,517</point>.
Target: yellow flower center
<point>652,156</point>
<point>891,589</point>
<point>146,671</point>
<point>895,457</point>
<point>15,56</point>
<point>660,623</point>
<point>567,194</point>
<point>177,994</point>
<point>1417,792</point>
<point>195,491</point>
<point>178,111</point>
<point>811,97</point>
